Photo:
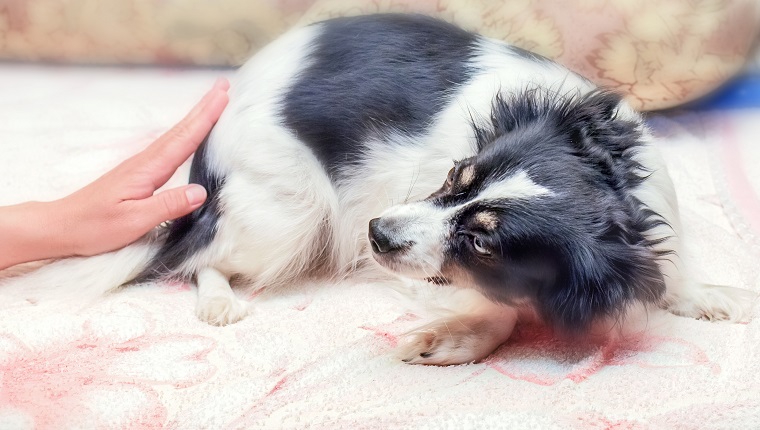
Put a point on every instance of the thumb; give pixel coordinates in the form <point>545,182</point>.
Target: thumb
<point>174,203</point>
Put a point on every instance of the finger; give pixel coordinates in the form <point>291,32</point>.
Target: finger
<point>170,150</point>
<point>176,145</point>
<point>170,204</point>
<point>222,83</point>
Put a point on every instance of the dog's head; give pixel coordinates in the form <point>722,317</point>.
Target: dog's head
<point>544,213</point>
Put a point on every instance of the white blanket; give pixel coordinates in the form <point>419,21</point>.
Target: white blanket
<point>321,356</point>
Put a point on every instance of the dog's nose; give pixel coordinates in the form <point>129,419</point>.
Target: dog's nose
<point>378,238</point>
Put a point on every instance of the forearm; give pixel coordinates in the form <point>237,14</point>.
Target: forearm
<point>29,232</point>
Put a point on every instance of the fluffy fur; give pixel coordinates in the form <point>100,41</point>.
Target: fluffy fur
<point>556,201</point>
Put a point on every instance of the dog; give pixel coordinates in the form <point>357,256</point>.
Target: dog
<point>331,159</point>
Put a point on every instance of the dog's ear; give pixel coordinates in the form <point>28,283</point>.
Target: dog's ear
<point>601,279</point>
<point>598,129</point>
<point>605,136</point>
<point>593,118</point>
<point>595,108</point>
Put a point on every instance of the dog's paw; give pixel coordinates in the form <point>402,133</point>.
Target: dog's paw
<point>221,310</point>
<point>454,341</point>
<point>714,303</point>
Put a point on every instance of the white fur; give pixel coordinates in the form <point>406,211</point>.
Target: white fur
<point>217,304</point>
<point>520,186</point>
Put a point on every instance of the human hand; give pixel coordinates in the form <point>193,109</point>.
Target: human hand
<point>120,206</point>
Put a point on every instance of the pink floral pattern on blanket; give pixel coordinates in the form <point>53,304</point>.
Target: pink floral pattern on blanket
<point>79,380</point>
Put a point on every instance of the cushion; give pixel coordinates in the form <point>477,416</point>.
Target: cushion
<point>658,54</point>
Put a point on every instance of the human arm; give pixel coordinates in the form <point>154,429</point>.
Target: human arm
<point>120,206</point>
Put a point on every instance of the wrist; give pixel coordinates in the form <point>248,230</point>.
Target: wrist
<point>31,231</point>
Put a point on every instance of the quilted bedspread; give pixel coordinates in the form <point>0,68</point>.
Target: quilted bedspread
<point>321,356</point>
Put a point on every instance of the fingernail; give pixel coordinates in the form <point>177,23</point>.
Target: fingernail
<point>196,194</point>
<point>220,83</point>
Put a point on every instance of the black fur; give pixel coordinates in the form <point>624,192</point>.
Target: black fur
<point>375,74</point>
<point>581,253</point>
<point>191,233</point>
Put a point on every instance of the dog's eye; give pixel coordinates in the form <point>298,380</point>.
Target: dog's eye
<point>479,247</point>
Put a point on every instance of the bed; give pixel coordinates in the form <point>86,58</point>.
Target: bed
<point>321,356</point>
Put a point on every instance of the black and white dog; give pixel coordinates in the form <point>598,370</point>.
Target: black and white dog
<point>333,152</point>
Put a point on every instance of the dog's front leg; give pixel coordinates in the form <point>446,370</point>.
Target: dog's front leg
<point>217,303</point>
<point>469,334</point>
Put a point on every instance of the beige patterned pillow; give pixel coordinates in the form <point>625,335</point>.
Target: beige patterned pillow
<point>201,32</point>
<point>660,53</point>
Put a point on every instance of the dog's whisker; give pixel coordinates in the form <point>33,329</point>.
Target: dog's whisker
<point>464,325</point>
<point>449,330</point>
<point>411,186</point>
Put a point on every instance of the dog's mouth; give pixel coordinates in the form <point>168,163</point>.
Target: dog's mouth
<point>438,280</point>
<point>414,272</point>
